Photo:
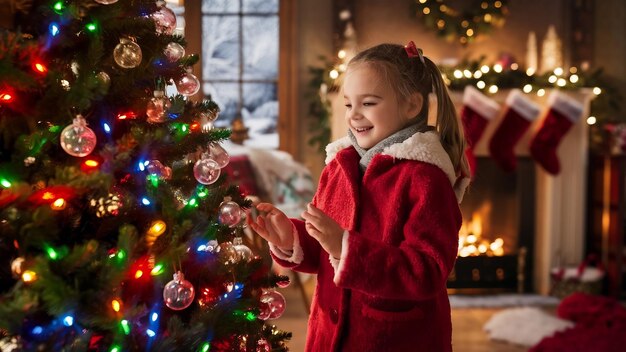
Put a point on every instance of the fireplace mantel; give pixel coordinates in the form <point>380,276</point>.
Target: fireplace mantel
<point>560,200</point>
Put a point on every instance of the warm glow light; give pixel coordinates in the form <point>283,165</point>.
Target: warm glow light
<point>591,120</point>
<point>138,274</point>
<point>497,68</point>
<point>458,74</point>
<point>573,78</point>
<point>6,97</point>
<point>29,276</point>
<point>484,68</point>
<point>341,54</point>
<point>58,204</point>
<point>528,88</point>
<point>552,79</point>
<point>426,10</point>
<point>481,84</point>
<point>541,92</point>
<point>467,73</point>
<point>558,71</point>
<point>561,82</point>
<point>493,89</point>
<point>116,305</point>
<point>530,71</point>
<point>91,163</point>
<point>334,74</point>
<point>48,196</point>
<point>478,74</point>
<point>597,90</point>
<point>514,66</point>
<point>469,32</point>
<point>39,67</point>
<point>157,228</point>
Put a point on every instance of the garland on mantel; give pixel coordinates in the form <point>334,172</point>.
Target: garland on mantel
<point>465,25</point>
<point>606,120</point>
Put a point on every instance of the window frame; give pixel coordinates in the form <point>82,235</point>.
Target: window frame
<point>287,84</point>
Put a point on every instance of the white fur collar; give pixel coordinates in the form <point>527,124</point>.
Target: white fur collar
<point>422,146</point>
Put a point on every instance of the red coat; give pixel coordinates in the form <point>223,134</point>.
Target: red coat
<point>389,292</point>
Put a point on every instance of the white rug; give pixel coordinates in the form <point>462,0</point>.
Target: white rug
<point>502,300</point>
<point>525,326</point>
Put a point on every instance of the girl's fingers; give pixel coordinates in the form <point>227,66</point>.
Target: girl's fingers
<point>314,211</point>
<point>266,207</point>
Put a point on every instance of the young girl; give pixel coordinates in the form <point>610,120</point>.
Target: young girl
<point>382,231</point>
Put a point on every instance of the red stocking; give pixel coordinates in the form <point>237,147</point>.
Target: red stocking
<point>477,110</point>
<point>520,113</point>
<point>563,113</point>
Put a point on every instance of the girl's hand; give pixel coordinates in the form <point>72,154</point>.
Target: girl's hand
<point>275,227</point>
<point>324,229</point>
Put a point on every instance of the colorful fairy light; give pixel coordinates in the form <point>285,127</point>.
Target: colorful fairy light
<point>68,320</point>
<point>6,97</point>
<point>58,7</point>
<point>53,28</point>
<point>29,276</point>
<point>39,67</point>
<point>157,270</point>
<point>5,183</point>
<point>58,204</point>
<point>125,326</point>
<point>116,305</point>
<point>157,228</point>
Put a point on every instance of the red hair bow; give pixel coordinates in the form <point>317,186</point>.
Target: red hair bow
<point>413,51</point>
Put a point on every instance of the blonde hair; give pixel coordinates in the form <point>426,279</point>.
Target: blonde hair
<point>408,75</point>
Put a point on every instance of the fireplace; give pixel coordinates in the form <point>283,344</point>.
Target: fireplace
<point>498,229</point>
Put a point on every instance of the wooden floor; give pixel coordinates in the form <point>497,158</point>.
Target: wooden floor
<point>467,324</point>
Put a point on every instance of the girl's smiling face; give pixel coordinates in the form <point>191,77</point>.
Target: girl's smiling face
<point>373,109</point>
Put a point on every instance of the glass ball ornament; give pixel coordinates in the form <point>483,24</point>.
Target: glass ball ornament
<point>104,80</point>
<point>106,2</point>
<point>77,139</point>
<point>229,213</point>
<point>227,253</point>
<point>219,154</point>
<point>178,294</point>
<point>188,84</point>
<point>206,170</point>
<point>244,253</point>
<point>127,54</point>
<point>174,52</point>
<point>164,20</point>
<point>157,107</point>
<point>272,305</point>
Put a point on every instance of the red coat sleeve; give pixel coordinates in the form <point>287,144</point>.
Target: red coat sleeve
<point>310,247</point>
<point>419,266</point>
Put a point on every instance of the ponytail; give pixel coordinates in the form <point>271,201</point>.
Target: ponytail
<point>448,126</point>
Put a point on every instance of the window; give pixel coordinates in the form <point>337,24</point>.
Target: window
<point>240,43</point>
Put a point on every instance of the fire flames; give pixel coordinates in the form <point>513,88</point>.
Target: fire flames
<point>471,242</point>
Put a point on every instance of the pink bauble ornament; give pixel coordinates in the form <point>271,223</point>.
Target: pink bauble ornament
<point>157,107</point>
<point>77,139</point>
<point>272,305</point>
<point>127,53</point>
<point>178,293</point>
<point>164,20</point>
<point>188,84</point>
<point>229,213</point>
<point>174,52</point>
<point>206,170</point>
<point>219,154</point>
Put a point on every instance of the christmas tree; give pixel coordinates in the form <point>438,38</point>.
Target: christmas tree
<point>117,230</point>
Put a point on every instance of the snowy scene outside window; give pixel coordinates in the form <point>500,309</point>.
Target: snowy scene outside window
<point>240,64</point>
